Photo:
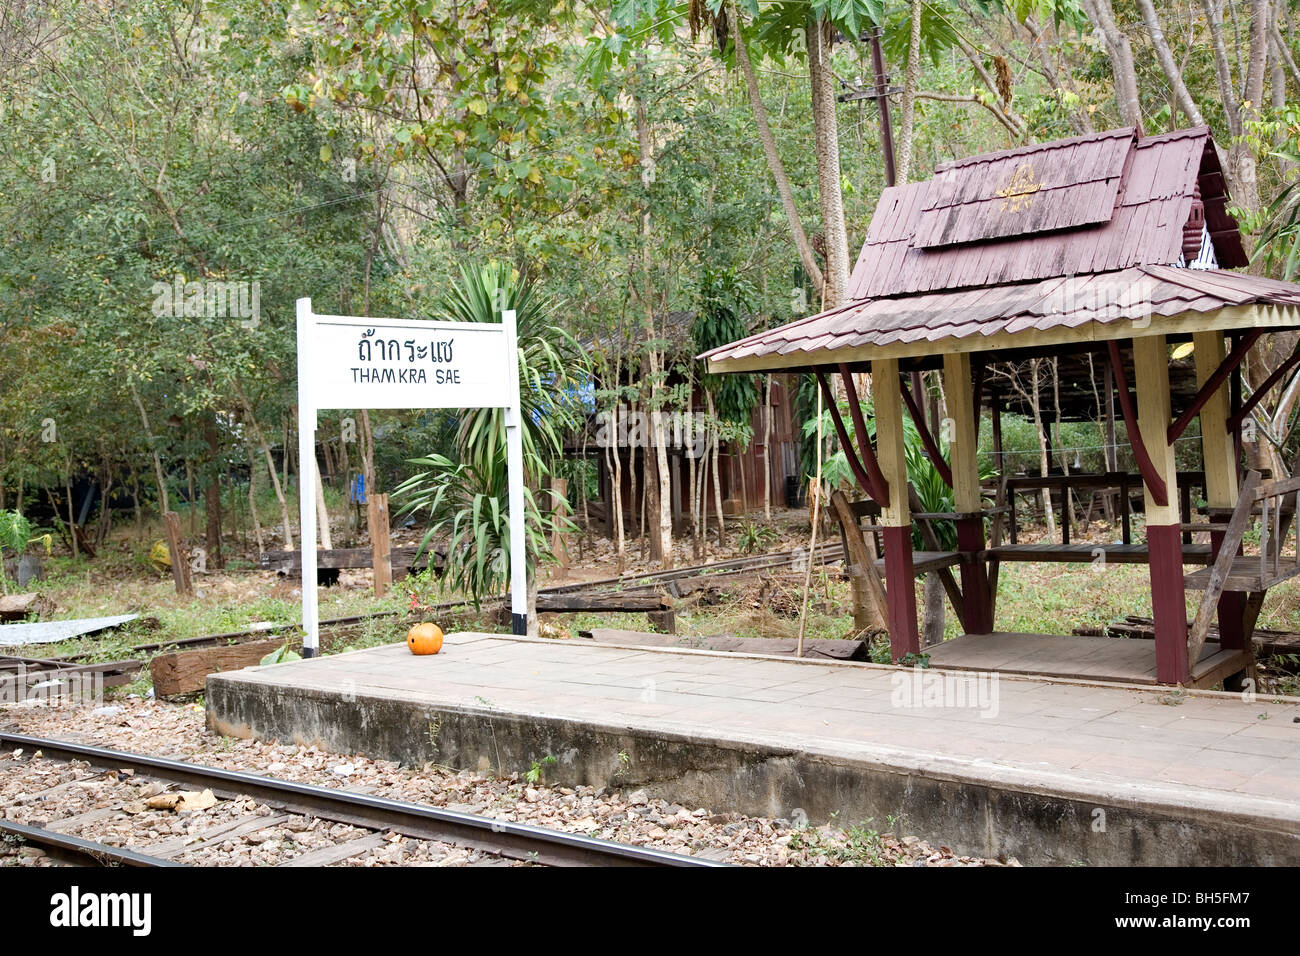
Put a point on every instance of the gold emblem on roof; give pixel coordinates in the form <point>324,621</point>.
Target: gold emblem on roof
<point>1018,193</point>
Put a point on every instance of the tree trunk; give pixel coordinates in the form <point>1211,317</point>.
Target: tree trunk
<point>72,518</point>
<point>252,497</point>
<point>1173,75</point>
<point>907,125</point>
<point>826,141</point>
<point>774,163</point>
<point>322,513</point>
<point>717,473</point>
<point>212,496</point>
<point>260,438</point>
<point>164,503</point>
<point>614,457</point>
<point>1120,51</point>
<point>935,610</point>
<point>1044,462</point>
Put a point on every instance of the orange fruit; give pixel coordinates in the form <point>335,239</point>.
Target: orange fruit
<point>424,638</point>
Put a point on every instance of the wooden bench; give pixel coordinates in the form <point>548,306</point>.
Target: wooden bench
<point>1076,553</point>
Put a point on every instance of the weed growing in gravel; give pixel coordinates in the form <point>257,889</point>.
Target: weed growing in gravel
<point>857,844</point>
<point>534,773</point>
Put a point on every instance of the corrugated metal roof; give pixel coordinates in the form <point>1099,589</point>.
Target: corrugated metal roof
<point>928,322</point>
<point>952,232</point>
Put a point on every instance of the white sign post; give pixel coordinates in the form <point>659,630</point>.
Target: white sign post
<point>358,362</point>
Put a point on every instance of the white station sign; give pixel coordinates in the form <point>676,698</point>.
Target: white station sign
<point>400,363</point>
<point>349,361</point>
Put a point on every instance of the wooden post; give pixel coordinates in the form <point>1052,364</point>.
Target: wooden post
<point>870,606</point>
<point>1164,541</point>
<point>380,549</point>
<point>895,518</point>
<point>963,445</point>
<point>1219,453</point>
<point>176,551</point>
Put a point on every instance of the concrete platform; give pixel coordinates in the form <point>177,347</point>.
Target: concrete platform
<point>1048,771</point>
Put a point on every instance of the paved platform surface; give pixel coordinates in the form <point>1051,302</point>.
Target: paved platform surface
<point>1215,753</point>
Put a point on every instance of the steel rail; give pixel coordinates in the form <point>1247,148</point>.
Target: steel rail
<point>80,851</point>
<point>515,840</point>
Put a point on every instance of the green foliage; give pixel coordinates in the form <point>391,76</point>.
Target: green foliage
<point>15,531</point>
<point>280,655</point>
<point>724,299</point>
<point>1279,244</point>
<point>754,537</point>
<point>466,500</point>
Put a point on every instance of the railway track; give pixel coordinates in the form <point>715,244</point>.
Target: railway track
<point>499,839</point>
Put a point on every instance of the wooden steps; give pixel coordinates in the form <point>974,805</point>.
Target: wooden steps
<point>1245,574</point>
<point>1075,658</point>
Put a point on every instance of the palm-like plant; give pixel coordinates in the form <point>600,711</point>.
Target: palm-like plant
<point>933,493</point>
<point>16,533</point>
<point>466,500</point>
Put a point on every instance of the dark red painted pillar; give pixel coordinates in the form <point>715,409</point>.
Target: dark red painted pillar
<point>978,616</point>
<point>1168,603</point>
<point>900,592</point>
<point>1232,606</point>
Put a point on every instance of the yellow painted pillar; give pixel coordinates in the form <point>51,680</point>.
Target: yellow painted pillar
<point>1164,538</point>
<point>896,516</point>
<point>963,442</point>
<point>1218,452</point>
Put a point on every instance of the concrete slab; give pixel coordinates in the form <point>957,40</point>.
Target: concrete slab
<point>1046,770</point>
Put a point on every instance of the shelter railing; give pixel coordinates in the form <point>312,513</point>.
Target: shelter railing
<point>1124,484</point>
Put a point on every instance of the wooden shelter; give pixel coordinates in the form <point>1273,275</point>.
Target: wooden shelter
<point>1110,249</point>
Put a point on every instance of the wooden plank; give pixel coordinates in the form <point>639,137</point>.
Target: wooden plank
<point>186,672</point>
<point>326,855</point>
<point>74,823</point>
<point>1215,665</point>
<point>1076,553</point>
<point>16,607</point>
<point>870,610</point>
<point>828,648</point>
<point>20,680</point>
<point>214,836</point>
<point>1221,570</point>
<point>614,601</point>
<point>180,558</point>
<point>1078,658</point>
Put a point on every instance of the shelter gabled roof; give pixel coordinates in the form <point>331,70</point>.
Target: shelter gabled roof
<point>1048,244</point>
<point>1087,204</point>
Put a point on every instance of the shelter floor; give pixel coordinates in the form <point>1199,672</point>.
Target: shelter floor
<point>1207,749</point>
<point>1128,661</point>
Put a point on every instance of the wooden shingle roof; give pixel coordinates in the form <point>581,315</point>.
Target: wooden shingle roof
<point>1042,245</point>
